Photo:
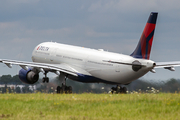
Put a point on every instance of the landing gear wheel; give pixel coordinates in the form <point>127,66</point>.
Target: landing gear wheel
<point>113,90</point>
<point>118,89</point>
<point>70,89</point>
<point>45,79</point>
<point>58,89</point>
<point>64,89</point>
<point>124,89</point>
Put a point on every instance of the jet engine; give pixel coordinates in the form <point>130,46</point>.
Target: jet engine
<point>28,76</point>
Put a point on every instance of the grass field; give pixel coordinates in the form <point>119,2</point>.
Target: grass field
<point>90,106</point>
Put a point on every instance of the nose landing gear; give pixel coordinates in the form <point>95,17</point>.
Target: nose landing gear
<point>45,79</point>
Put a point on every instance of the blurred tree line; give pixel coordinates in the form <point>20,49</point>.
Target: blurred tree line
<point>16,86</point>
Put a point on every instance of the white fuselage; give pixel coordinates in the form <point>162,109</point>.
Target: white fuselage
<point>95,62</point>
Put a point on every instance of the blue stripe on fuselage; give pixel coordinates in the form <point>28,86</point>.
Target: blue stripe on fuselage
<point>91,79</point>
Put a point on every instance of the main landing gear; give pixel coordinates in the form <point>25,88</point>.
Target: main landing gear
<point>118,89</point>
<point>60,89</point>
<point>64,89</point>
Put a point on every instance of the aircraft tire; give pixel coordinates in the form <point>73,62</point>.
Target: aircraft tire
<point>43,80</point>
<point>47,80</point>
<point>70,89</point>
<point>124,89</point>
<point>113,90</point>
<point>58,89</point>
<point>118,89</point>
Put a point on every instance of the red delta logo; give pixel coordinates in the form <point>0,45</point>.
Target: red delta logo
<point>43,48</point>
<point>38,48</point>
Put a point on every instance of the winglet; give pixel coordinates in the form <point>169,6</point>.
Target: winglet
<point>143,48</point>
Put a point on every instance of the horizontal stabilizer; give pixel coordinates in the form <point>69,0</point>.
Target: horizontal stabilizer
<point>168,65</point>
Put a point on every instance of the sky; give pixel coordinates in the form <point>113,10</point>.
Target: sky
<point>113,25</point>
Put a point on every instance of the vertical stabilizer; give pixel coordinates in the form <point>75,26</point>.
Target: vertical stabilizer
<point>143,48</point>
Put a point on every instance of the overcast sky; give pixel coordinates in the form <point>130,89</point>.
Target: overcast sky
<point>113,25</point>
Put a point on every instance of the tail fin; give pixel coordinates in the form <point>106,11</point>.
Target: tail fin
<point>143,48</point>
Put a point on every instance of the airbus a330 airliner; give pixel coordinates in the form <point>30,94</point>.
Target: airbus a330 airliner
<point>90,65</point>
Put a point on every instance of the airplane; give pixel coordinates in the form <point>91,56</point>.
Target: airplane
<point>91,65</point>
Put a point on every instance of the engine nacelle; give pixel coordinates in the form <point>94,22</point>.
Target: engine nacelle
<point>28,76</point>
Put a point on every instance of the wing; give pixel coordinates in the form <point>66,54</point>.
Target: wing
<point>168,65</point>
<point>42,67</point>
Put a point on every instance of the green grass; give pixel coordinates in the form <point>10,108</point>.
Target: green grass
<point>90,106</point>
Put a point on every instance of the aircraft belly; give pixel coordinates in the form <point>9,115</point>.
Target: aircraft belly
<point>131,75</point>
<point>124,76</point>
